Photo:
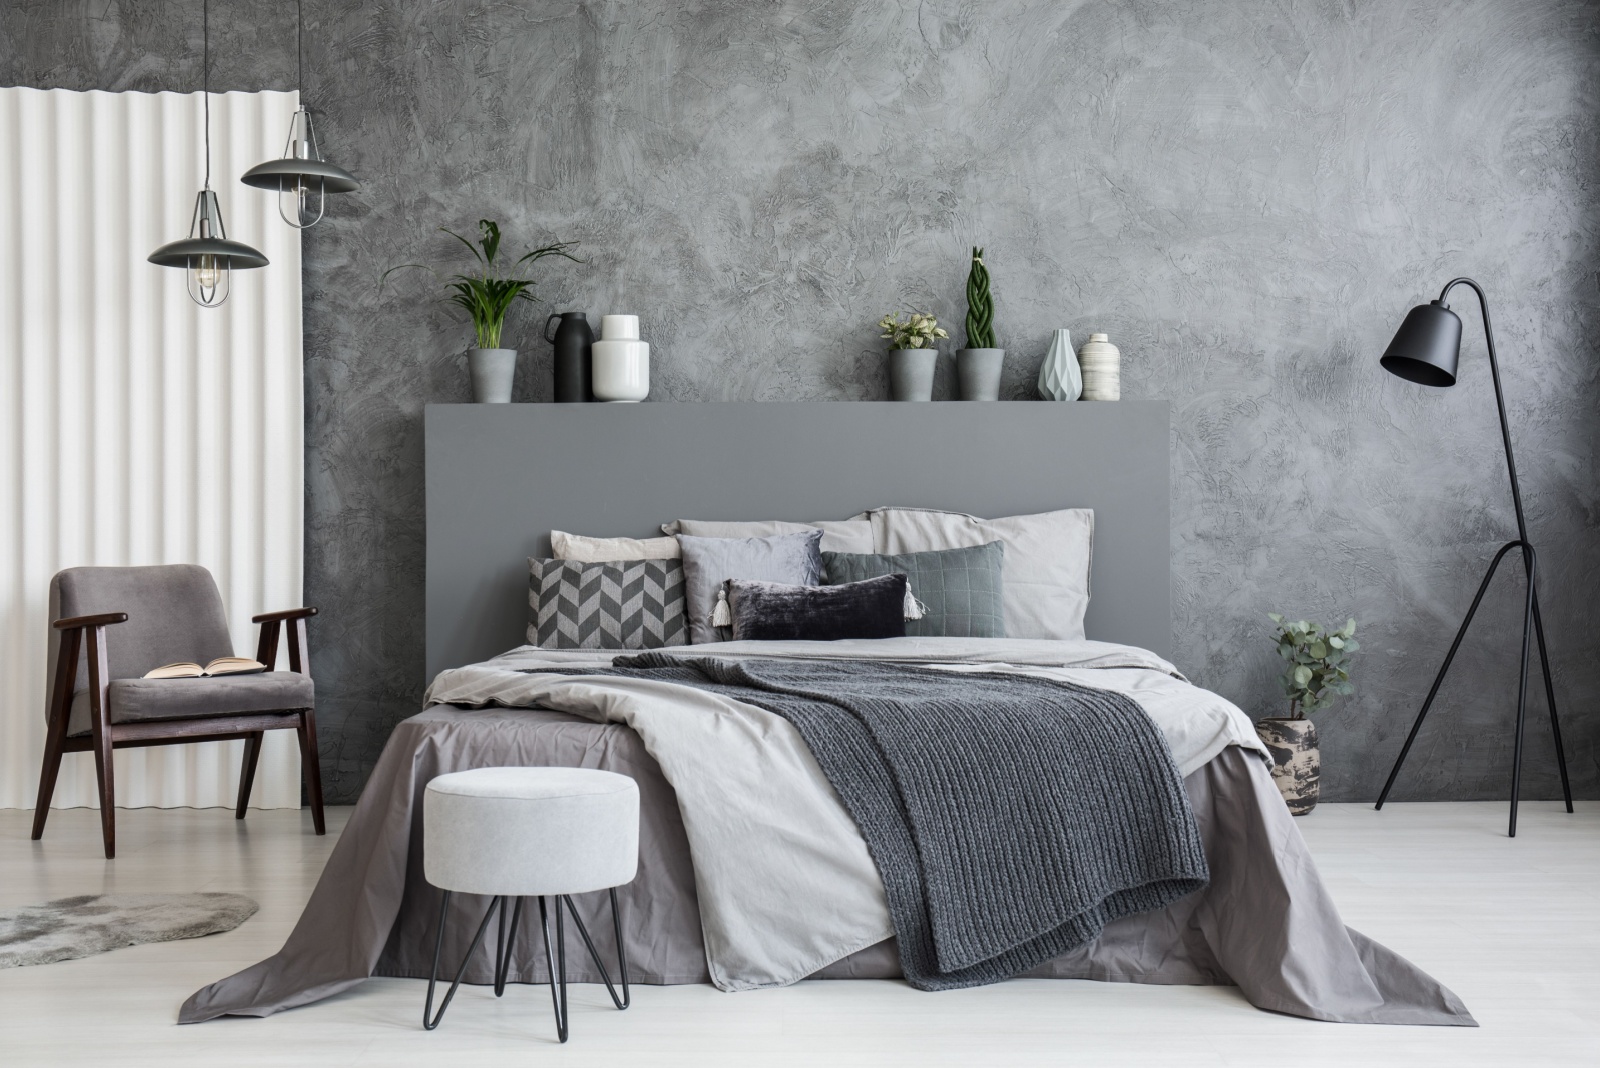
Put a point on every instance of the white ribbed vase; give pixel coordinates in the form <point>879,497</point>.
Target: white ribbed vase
<point>1101,363</point>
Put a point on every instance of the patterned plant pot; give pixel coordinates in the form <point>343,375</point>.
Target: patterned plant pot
<point>1296,761</point>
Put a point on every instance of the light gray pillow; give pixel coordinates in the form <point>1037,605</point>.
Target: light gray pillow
<point>1046,564</point>
<point>709,562</point>
<point>853,535</point>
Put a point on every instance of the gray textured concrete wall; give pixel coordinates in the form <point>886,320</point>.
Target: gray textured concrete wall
<point>1247,196</point>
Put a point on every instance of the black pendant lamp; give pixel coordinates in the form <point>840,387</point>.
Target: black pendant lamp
<point>206,253</point>
<point>302,174</point>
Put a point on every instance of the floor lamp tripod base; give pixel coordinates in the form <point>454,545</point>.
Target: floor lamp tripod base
<point>1532,627</point>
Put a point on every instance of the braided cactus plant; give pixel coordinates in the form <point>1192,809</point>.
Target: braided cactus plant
<point>980,305</point>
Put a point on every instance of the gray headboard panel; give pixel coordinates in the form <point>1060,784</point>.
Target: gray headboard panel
<point>500,477</point>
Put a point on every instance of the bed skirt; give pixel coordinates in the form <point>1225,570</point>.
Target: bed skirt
<point>1265,923</point>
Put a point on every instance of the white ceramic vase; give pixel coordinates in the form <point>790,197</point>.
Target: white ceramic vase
<point>1059,378</point>
<point>621,362</point>
<point>1101,363</point>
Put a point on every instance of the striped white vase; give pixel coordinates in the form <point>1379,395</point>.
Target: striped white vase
<point>1101,362</point>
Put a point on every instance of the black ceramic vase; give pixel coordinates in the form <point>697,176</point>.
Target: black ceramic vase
<point>572,341</point>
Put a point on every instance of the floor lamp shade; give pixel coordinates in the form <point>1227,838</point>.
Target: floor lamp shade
<point>1426,347</point>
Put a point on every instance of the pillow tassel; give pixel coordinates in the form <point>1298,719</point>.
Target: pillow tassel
<point>722,616</point>
<point>914,608</point>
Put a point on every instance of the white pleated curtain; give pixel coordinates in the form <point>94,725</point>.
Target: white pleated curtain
<point>140,428</point>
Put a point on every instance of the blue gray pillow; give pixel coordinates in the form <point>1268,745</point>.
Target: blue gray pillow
<point>960,589</point>
<point>774,611</point>
<point>710,562</point>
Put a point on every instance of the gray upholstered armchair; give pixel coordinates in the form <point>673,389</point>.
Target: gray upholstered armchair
<point>168,613</point>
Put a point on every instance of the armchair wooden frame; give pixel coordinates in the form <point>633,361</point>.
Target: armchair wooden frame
<point>78,632</point>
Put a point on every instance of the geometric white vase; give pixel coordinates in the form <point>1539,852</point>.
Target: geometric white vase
<point>1101,362</point>
<point>1059,378</point>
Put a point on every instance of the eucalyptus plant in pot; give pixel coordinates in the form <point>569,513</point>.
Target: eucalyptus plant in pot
<point>487,296</point>
<point>1317,671</point>
<point>912,355</point>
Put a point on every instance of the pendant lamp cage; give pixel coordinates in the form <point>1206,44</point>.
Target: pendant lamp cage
<point>301,177</point>
<point>207,254</point>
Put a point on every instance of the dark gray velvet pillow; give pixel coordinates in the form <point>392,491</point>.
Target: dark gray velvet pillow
<point>960,588</point>
<point>772,611</point>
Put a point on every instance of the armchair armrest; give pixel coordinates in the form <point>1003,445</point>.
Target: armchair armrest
<point>104,619</point>
<point>287,613</point>
<point>292,620</point>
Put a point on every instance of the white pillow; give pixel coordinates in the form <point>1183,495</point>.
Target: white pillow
<point>853,535</point>
<point>607,550</point>
<point>1045,581</point>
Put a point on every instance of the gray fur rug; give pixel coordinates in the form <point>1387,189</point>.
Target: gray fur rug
<point>83,926</point>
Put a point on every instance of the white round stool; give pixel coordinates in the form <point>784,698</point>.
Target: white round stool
<point>530,832</point>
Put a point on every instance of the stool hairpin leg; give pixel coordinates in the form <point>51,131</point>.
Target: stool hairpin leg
<point>430,1021</point>
<point>622,955</point>
<point>558,965</point>
<point>502,953</point>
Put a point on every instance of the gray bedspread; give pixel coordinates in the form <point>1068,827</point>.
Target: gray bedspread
<point>1010,817</point>
<point>734,787</point>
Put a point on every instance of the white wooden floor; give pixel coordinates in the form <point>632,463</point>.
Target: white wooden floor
<point>1513,926</point>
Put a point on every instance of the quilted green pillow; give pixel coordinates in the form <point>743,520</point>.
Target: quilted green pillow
<point>959,589</point>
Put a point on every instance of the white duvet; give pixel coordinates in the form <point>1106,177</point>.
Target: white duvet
<point>785,883</point>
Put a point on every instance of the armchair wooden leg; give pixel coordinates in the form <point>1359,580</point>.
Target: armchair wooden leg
<point>108,794</point>
<point>247,772</point>
<point>66,672</point>
<point>47,774</point>
<point>100,720</point>
<point>311,768</point>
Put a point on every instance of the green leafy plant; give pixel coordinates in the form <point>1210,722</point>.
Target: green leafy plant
<point>1318,663</point>
<point>980,305</point>
<point>918,332</point>
<point>488,295</point>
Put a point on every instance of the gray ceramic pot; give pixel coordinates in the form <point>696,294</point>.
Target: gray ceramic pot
<point>978,373</point>
<point>1296,761</point>
<point>911,374</point>
<point>492,372</point>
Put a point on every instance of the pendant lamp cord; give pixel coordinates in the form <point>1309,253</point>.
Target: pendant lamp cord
<point>299,53</point>
<point>205,63</point>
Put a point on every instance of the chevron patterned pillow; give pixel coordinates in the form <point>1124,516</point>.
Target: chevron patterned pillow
<point>629,604</point>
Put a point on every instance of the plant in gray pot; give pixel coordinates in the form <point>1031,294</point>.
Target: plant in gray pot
<point>912,356</point>
<point>487,297</point>
<point>978,365</point>
<point>1317,671</point>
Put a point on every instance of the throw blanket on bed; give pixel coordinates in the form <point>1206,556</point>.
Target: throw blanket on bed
<point>1011,818</point>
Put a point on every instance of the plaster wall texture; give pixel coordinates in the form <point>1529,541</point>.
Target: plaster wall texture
<point>1246,196</point>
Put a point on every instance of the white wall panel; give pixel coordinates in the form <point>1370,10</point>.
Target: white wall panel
<point>135,426</point>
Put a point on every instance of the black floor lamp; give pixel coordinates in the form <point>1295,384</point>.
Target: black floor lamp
<point>1425,350</point>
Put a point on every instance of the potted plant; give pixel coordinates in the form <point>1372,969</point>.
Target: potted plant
<point>911,354</point>
<point>1317,672</point>
<point>978,365</point>
<point>487,296</point>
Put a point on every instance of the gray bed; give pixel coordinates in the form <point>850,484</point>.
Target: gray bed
<point>751,874</point>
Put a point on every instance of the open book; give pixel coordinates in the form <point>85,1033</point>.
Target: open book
<point>223,665</point>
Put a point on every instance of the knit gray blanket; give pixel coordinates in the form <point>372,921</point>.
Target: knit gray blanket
<point>1011,818</point>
